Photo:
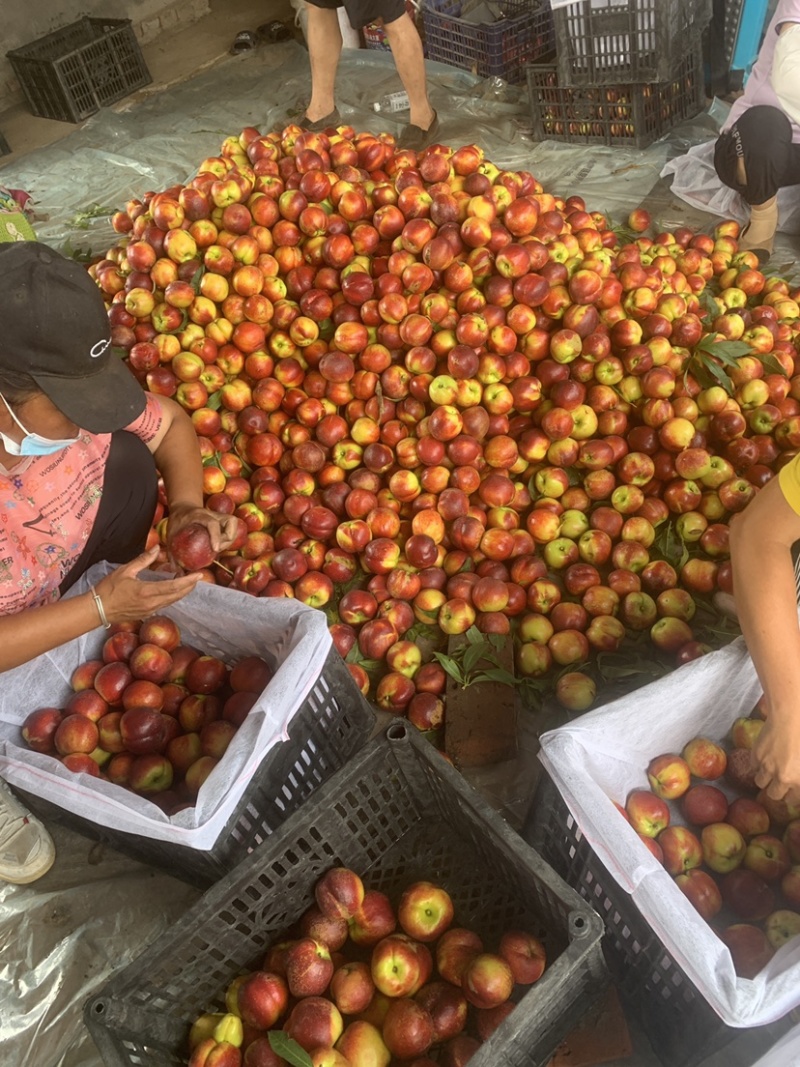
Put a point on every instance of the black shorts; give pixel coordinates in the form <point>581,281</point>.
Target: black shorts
<point>361,12</point>
<point>762,137</point>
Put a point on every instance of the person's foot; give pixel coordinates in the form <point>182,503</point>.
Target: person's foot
<point>760,248</point>
<point>299,118</point>
<point>244,41</point>
<point>758,236</point>
<point>332,119</point>
<point>416,139</point>
<point>26,849</point>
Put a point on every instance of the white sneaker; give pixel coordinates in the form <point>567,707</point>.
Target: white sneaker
<point>26,849</point>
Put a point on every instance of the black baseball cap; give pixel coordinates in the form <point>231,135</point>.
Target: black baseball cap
<point>54,327</point>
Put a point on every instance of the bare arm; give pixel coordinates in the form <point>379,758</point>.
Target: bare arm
<point>29,633</point>
<point>764,585</point>
<point>177,457</point>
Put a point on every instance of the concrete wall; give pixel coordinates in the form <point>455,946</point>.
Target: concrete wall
<point>25,22</point>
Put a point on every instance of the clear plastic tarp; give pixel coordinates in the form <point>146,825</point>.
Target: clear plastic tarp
<point>159,138</point>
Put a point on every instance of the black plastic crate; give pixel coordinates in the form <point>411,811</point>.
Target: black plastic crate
<point>332,723</point>
<point>73,72</point>
<point>397,813</point>
<point>491,50</point>
<point>624,115</point>
<point>625,40</point>
<point>681,1026</point>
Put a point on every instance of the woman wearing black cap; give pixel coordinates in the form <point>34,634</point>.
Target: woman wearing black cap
<point>80,448</point>
<point>758,152</point>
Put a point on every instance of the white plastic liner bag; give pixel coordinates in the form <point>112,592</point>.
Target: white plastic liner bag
<point>292,638</point>
<point>602,756</point>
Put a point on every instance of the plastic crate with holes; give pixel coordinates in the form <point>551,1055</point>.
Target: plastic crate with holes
<point>681,1026</point>
<point>626,115</point>
<point>396,814</point>
<point>73,72</point>
<point>513,34</point>
<point>306,724</point>
<point>603,42</point>
<point>689,988</point>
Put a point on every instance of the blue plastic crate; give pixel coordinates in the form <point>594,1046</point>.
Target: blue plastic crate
<point>744,28</point>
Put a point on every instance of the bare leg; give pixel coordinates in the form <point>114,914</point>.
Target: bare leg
<point>406,48</point>
<point>324,49</point>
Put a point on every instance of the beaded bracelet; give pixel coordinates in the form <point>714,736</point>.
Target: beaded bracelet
<point>98,603</point>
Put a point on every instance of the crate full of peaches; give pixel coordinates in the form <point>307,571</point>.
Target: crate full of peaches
<point>149,713</point>
<point>732,850</point>
<point>363,983</point>
<point>394,918</point>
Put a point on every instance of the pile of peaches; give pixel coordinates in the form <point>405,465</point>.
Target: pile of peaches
<point>433,395</point>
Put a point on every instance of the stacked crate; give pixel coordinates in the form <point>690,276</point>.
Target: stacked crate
<point>491,40</point>
<point>626,71</point>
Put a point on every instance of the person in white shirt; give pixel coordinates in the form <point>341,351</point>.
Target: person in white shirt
<point>758,151</point>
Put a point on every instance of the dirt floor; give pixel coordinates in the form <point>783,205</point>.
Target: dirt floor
<point>96,910</point>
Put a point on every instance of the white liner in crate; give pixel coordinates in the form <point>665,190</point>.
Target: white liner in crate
<point>292,638</point>
<point>604,755</point>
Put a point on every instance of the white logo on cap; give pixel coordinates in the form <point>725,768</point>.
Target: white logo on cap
<point>98,349</point>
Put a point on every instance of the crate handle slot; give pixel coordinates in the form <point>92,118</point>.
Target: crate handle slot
<point>398,733</point>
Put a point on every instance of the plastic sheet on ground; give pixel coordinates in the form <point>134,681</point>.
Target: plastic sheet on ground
<point>96,910</point>
<point>62,937</point>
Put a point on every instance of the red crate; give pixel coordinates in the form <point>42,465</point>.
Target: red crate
<point>375,35</point>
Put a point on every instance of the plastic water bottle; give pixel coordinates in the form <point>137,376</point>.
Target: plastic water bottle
<point>392,102</point>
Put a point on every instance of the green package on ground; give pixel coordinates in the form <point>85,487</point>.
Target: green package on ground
<point>14,226</point>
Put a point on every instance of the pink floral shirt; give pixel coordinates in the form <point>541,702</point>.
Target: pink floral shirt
<point>48,505</point>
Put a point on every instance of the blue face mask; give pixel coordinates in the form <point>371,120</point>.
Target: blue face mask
<point>32,444</point>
